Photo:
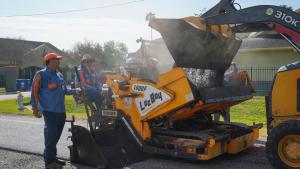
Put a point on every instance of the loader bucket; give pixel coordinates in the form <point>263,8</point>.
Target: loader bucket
<point>193,47</point>
<point>85,149</point>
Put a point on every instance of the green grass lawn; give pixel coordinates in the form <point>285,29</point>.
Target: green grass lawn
<point>2,90</point>
<point>250,111</point>
<point>10,107</point>
<point>73,109</point>
<point>246,112</point>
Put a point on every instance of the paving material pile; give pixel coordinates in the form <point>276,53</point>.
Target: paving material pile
<point>205,55</point>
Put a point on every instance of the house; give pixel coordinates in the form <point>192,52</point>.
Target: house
<point>27,56</point>
<point>2,77</point>
<point>261,55</point>
<point>265,50</point>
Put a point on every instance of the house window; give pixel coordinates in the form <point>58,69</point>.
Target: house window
<point>28,73</point>
<point>2,81</point>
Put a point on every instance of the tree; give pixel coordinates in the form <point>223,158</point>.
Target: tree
<point>112,54</point>
<point>200,12</point>
<point>288,7</point>
<point>87,47</point>
<point>115,53</point>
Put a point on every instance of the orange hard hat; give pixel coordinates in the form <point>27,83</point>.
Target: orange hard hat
<point>51,56</point>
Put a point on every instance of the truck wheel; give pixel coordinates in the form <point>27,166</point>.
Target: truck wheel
<point>283,145</point>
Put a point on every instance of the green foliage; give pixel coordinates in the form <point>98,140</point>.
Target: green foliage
<point>111,54</point>
<point>87,47</point>
<point>288,7</point>
<point>2,90</point>
<point>115,53</point>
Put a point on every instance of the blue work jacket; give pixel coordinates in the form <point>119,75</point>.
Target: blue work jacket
<point>49,90</point>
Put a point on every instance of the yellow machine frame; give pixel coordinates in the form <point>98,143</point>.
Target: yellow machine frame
<point>175,84</point>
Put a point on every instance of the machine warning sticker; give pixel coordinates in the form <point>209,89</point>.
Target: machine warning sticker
<point>152,98</point>
<point>189,97</point>
<point>127,102</point>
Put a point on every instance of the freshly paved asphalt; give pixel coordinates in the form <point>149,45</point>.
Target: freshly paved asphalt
<point>23,133</point>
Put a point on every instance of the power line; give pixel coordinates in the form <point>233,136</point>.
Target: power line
<point>77,10</point>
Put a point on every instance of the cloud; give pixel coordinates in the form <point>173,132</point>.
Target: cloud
<point>65,32</point>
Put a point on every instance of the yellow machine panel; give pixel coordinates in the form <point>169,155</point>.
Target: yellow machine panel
<point>284,93</point>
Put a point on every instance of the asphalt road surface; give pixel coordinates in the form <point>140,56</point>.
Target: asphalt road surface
<point>26,134</point>
<point>19,133</point>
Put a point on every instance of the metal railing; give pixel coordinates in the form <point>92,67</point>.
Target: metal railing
<point>262,78</point>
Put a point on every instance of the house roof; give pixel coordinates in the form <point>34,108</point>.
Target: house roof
<point>27,53</point>
<point>36,57</point>
<point>9,46</point>
<point>259,43</point>
<point>265,40</point>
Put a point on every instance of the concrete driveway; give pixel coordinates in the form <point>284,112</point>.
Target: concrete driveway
<point>8,96</point>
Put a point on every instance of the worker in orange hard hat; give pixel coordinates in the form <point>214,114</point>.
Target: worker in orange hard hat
<point>48,96</point>
<point>52,56</point>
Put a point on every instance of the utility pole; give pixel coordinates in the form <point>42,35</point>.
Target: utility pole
<point>150,16</point>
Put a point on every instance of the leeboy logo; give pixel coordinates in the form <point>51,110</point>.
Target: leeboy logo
<point>152,98</point>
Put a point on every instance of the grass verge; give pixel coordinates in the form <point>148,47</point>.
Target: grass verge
<point>10,107</point>
<point>2,90</point>
<point>249,112</point>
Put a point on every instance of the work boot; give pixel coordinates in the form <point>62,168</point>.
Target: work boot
<point>60,162</point>
<point>53,165</point>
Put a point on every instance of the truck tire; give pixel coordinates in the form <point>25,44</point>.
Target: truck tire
<point>283,145</point>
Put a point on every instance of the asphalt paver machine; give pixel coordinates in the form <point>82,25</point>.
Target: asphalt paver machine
<point>173,115</point>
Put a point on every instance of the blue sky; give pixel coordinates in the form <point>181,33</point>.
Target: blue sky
<point>123,23</point>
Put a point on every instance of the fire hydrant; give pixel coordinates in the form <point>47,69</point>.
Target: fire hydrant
<point>20,101</point>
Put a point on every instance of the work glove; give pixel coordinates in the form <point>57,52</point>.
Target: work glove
<point>78,95</point>
<point>78,91</point>
<point>36,113</point>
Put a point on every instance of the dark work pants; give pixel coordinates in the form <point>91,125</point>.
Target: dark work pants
<point>93,96</point>
<point>226,116</point>
<point>54,124</point>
